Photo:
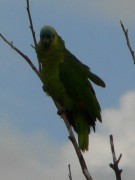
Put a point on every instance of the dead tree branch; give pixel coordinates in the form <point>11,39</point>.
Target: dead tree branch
<point>70,175</point>
<point>75,144</point>
<point>128,41</point>
<point>31,23</point>
<point>32,30</point>
<point>116,161</point>
<point>21,54</point>
<point>71,134</point>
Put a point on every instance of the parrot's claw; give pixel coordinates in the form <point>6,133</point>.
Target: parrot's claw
<point>61,111</point>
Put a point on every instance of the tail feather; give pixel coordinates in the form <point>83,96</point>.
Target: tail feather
<point>83,131</point>
<point>83,140</point>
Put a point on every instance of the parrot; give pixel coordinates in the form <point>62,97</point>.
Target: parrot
<point>69,82</point>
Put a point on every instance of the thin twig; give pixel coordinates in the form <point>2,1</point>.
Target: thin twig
<point>32,29</point>
<point>31,23</point>
<point>116,161</point>
<point>128,41</point>
<point>70,175</point>
<point>21,54</point>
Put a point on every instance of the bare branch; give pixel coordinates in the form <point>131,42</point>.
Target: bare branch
<point>128,41</point>
<point>31,23</point>
<point>75,144</point>
<point>70,175</point>
<point>32,29</point>
<point>114,166</point>
<point>21,54</point>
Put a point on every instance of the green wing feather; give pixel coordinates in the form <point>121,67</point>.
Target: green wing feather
<point>97,80</point>
<point>75,76</point>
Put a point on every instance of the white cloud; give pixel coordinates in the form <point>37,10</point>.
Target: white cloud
<point>37,156</point>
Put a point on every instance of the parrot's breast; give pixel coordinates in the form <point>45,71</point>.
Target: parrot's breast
<point>53,84</point>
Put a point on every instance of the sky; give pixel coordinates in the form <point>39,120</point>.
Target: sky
<point>33,139</point>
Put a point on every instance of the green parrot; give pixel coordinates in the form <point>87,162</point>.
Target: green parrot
<point>68,81</point>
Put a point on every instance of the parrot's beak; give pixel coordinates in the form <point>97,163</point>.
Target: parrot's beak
<point>46,42</point>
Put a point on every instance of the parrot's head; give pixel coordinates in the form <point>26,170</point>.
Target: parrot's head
<point>48,36</point>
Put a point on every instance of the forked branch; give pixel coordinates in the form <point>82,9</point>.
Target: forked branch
<point>116,161</point>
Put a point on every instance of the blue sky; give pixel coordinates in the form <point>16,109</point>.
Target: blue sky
<point>92,32</point>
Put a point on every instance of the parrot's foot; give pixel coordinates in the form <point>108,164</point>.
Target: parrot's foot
<point>61,111</point>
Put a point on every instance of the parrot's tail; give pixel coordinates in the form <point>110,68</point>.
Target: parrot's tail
<point>83,131</point>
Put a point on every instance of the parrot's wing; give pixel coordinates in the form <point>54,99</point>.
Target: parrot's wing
<point>93,77</point>
<point>97,80</point>
<point>74,76</point>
